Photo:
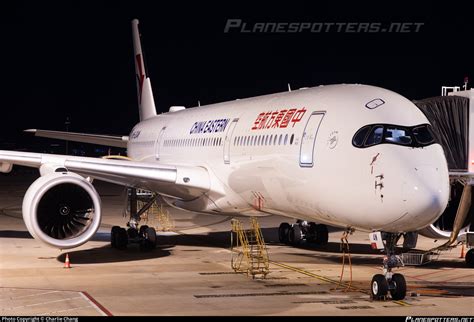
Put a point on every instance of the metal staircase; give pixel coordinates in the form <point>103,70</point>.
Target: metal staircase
<point>249,252</point>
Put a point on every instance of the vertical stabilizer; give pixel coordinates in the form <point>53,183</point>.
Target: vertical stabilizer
<point>146,103</point>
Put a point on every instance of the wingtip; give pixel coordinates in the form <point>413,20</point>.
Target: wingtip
<point>30,130</point>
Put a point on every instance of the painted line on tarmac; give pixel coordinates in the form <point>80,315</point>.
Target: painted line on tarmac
<point>42,303</point>
<point>99,307</point>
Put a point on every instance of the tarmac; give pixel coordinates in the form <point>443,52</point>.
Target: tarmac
<point>190,273</point>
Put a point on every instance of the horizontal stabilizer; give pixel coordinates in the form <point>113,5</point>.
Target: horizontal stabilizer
<point>107,140</point>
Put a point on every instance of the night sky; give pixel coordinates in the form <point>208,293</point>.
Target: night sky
<point>75,58</point>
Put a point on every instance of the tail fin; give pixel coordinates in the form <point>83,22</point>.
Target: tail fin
<point>146,103</point>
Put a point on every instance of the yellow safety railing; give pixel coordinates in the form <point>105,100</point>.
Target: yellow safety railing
<point>249,252</point>
<point>158,217</point>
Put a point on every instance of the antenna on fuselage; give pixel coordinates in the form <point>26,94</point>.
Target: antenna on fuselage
<point>289,87</point>
<point>199,103</point>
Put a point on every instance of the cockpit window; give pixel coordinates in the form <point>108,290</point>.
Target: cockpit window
<point>360,136</point>
<point>415,136</point>
<point>423,134</point>
<point>375,136</point>
<point>397,135</point>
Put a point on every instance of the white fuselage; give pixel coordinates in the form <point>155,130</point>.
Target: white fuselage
<point>262,162</point>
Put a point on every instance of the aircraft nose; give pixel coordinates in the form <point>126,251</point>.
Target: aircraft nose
<point>426,194</point>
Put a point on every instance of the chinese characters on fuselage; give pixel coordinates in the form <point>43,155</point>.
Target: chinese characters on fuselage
<point>278,119</point>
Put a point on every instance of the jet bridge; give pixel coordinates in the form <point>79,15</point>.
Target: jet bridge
<point>451,116</point>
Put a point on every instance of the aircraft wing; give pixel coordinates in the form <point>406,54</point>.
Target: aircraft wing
<point>108,140</point>
<point>186,182</point>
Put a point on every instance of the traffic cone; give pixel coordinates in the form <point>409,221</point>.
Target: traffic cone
<point>462,251</point>
<point>67,264</point>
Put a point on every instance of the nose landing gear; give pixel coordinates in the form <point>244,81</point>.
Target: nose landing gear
<point>302,230</point>
<point>388,282</point>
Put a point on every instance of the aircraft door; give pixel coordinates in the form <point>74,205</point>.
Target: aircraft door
<point>228,140</point>
<point>158,143</point>
<point>308,141</point>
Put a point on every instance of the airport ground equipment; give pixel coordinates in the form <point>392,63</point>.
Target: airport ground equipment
<point>249,252</point>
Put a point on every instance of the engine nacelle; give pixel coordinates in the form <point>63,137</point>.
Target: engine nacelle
<point>443,226</point>
<point>62,209</point>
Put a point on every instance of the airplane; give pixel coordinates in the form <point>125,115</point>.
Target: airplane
<point>351,156</point>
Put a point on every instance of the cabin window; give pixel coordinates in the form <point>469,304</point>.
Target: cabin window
<point>286,139</point>
<point>292,138</point>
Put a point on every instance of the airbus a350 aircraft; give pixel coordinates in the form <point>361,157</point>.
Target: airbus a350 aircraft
<point>352,156</point>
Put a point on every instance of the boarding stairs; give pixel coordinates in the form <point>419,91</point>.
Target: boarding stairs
<point>249,252</point>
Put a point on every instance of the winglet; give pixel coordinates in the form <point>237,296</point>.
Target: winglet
<point>146,103</point>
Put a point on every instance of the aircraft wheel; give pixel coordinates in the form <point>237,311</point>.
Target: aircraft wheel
<point>322,235</point>
<point>470,258</point>
<point>132,233</point>
<point>121,238</point>
<point>295,235</point>
<point>283,232</point>
<point>113,234</point>
<point>143,230</point>
<point>149,240</point>
<point>399,287</point>
<point>310,236</point>
<point>378,287</point>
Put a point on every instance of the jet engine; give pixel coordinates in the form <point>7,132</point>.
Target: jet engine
<point>443,226</point>
<point>62,209</point>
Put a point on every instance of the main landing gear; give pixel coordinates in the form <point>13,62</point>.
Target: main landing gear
<point>388,282</point>
<point>303,230</point>
<point>143,235</point>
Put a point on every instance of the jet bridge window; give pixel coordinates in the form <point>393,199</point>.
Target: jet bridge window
<point>415,136</point>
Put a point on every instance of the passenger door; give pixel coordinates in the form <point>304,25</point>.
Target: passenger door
<point>158,142</point>
<point>228,140</point>
<point>308,141</point>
